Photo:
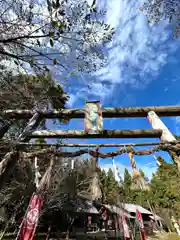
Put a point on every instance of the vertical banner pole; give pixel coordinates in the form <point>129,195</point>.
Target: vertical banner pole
<point>31,218</point>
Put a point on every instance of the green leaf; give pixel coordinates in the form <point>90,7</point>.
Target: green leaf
<point>73,74</point>
<point>31,62</point>
<point>55,24</point>
<point>54,61</point>
<point>61,26</point>
<point>51,43</point>
<point>51,34</point>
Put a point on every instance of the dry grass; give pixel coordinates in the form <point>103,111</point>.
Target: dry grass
<point>165,236</point>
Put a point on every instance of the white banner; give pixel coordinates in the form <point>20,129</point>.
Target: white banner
<point>116,172</point>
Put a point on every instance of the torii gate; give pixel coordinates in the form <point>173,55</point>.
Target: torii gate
<point>93,115</point>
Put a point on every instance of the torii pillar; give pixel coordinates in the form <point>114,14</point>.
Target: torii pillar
<point>167,136</point>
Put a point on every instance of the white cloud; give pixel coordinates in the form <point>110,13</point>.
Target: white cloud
<point>72,100</point>
<point>137,46</point>
<point>90,2</point>
<point>178,120</point>
<point>148,169</point>
<point>138,51</point>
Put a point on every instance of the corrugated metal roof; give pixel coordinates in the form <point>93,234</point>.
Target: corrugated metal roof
<point>133,207</point>
<point>120,211</point>
<point>156,217</point>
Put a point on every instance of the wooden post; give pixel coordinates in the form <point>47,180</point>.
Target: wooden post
<point>138,133</point>
<point>93,117</point>
<point>97,160</point>
<point>156,123</point>
<point>7,165</point>
<point>8,162</point>
<point>48,233</point>
<point>116,224</point>
<point>96,193</point>
<point>176,226</point>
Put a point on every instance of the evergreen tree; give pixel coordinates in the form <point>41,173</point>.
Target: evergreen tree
<point>143,175</point>
<point>165,188</point>
<point>30,92</point>
<point>127,186</point>
<point>127,179</point>
<point>103,181</point>
<point>112,192</point>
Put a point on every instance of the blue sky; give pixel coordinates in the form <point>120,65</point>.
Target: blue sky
<point>142,70</point>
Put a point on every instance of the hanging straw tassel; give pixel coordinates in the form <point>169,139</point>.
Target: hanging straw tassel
<point>44,184</point>
<point>37,173</point>
<point>138,182</point>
